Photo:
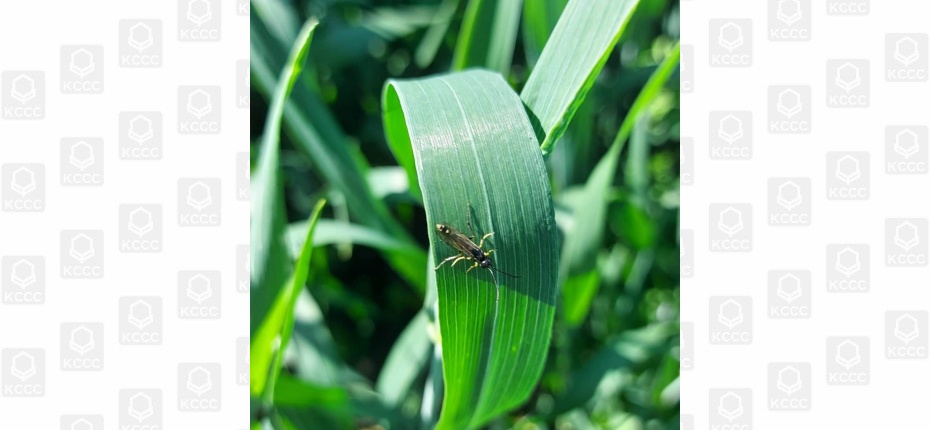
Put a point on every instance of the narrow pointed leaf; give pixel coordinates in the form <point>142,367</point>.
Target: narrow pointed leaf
<point>269,260</point>
<point>574,55</point>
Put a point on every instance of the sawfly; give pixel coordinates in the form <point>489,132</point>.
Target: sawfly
<point>468,250</point>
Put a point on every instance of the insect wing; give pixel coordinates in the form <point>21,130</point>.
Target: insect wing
<point>457,240</point>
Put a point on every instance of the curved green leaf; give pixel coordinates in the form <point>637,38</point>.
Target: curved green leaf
<point>575,53</point>
<point>476,153</point>
<point>269,262</point>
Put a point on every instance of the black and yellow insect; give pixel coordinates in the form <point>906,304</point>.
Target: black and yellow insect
<point>468,250</point>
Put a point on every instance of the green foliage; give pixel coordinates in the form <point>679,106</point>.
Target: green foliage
<point>477,159</point>
<point>365,334</point>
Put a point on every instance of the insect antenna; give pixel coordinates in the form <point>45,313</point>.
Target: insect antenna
<point>501,271</point>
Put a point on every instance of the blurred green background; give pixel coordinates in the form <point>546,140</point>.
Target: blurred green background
<point>619,367</point>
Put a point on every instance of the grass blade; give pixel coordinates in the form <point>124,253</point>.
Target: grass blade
<point>590,210</point>
<point>267,347</point>
<point>315,132</point>
<point>475,147</point>
<point>269,261</point>
<point>488,35</point>
<point>574,55</point>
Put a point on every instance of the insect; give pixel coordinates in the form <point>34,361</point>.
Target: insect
<point>468,250</point>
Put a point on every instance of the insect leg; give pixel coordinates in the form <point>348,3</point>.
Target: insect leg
<point>481,243</point>
<point>450,258</point>
<point>461,257</point>
<point>472,267</point>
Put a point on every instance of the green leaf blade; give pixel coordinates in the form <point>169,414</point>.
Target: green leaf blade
<point>269,261</point>
<point>476,153</point>
<point>488,35</point>
<point>574,55</point>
